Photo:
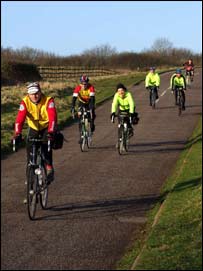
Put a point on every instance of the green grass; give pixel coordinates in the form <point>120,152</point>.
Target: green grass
<point>175,240</point>
<point>62,93</point>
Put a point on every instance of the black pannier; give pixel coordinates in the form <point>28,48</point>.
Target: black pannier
<point>58,141</point>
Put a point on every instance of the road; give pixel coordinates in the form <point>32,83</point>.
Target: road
<point>98,201</point>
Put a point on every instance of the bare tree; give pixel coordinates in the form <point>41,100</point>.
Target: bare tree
<point>162,46</point>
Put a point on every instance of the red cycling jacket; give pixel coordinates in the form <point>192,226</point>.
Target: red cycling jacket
<point>84,94</point>
<point>189,67</point>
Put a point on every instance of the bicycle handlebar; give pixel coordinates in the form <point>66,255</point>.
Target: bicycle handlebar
<point>14,145</point>
<point>122,115</point>
<point>30,139</point>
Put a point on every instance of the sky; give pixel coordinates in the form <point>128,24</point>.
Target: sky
<point>67,28</point>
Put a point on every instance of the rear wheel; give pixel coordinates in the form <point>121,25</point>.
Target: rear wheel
<point>31,192</point>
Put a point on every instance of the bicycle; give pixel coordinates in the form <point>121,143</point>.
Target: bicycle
<point>153,92</point>
<point>37,185</point>
<point>123,132</point>
<point>84,127</point>
<point>189,78</point>
<point>180,101</point>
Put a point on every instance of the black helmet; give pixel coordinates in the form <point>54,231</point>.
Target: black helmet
<point>120,85</point>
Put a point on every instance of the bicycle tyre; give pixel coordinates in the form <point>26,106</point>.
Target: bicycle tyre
<point>126,140</point>
<point>31,198</point>
<point>121,144</point>
<point>153,97</point>
<point>179,104</point>
<point>88,133</point>
<point>44,190</point>
<point>83,139</point>
<point>188,80</point>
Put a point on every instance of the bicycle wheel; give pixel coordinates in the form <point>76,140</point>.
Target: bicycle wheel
<point>153,97</point>
<point>88,133</point>
<point>180,103</point>
<point>126,141</point>
<point>83,138</point>
<point>31,192</point>
<point>42,180</point>
<point>188,81</point>
<point>121,140</point>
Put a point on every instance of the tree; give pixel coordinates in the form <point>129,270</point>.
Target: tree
<point>162,46</point>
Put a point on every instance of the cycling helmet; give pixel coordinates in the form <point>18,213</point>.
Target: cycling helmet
<point>152,68</point>
<point>84,79</point>
<point>120,85</point>
<point>33,88</point>
<point>178,71</point>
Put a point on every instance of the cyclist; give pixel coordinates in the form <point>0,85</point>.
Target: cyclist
<point>189,68</point>
<point>152,80</point>
<point>40,112</point>
<point>123,102</point>
<point>85,92</point>
<point>178,80</point>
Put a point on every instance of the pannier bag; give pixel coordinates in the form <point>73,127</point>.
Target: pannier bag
<point>58,141</point>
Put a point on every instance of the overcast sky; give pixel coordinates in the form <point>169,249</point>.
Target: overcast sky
<point>70,27</point>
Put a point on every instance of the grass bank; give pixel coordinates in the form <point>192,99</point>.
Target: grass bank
<point>173,238</point>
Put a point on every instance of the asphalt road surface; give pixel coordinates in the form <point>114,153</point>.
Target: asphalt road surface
<point>98,201</point>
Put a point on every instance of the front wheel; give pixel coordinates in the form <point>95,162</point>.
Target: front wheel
<point>42,180</point>
<point>153,99</point>
<point>121,141</point>
<point>180,104</point>
<point>31,192</point>
<point>188,80</point>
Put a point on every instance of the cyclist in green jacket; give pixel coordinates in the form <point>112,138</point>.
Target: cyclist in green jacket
<point>123,102</point>
<point>152,80</point>
<point>178,80</point>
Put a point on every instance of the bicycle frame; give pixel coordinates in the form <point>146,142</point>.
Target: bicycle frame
<point>179,99</point>
<point>84,128</point>
<point>37,187</point>
<point>189,77</point>
<point>123,132</point>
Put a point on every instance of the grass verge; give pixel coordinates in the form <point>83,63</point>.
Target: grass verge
<point>173,238</point>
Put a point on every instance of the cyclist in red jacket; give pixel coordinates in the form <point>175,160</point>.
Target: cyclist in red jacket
<point>189,68</point>
<point>85,93</point>
<point>40,112</point>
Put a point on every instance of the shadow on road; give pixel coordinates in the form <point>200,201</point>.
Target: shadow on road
<point>130,206</point>
<point>165,146</point>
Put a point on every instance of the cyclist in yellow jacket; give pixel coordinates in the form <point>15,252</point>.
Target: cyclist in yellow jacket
<point>152,80</point>
<point>40,112</point>
<point>178,80</point>
<point>123,102</point>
